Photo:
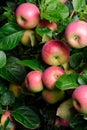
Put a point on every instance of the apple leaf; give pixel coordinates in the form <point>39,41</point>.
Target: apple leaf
<point>67,81</point>
<point>79,5</point>
<point>53,10</point>
<point>10,35</point>
<point>2,59</point>
<point>27,117</point>
<point>33,64</point>
<point>12,72</point>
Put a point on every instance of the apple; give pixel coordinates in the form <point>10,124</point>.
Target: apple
<point>76,34</point>
<point>28,39</point>
<point>63,1</point>
<point>53,96</point>
<point>51,25</point>
<point>51,75</point>
<point>55,52</point>
<point>64,122</point>
<point>79,97</point>
<point>33,81</point>
<point>27,15</point>
<point>16,89</point>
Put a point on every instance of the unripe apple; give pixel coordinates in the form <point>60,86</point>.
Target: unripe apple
<point>79,97</point>
<point>53,96</point>
<point>51,75</point>
<point>76,34</point>
<point>33,81</point>
<point>28,39</point>
<point>66,110</point>
<point>16,89</point>
<point>27,15</point>
<point>55,52</point>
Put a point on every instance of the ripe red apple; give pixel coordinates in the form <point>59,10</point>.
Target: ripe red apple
<point>51,25</point>
<point>76,34</point>
<point>51,75</point>
<point>33,81</point>
<point>27,15</point>
<point>79,97</point>
<point>28,39</point>
<point>52,96</point>
<point>55,52</point>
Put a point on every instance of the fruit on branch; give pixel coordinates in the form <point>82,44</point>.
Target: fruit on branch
<point>55,52</point>
<point>27,15</point>
<point>28,39</point>
<point>33,81</point>
<point>76,34</point>
<point>7,121</point>
<point>16,89</point>
<point>53,96</point>
<point>79,97</point>
<point>51,75</point>
<point>66,110</point>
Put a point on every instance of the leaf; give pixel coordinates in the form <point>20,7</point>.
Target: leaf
<point>12,72</point>
<point>67,81</point>
<point>33,64</point>
<point>10,35</point>
<point>79,5</point>
<point>27,117</point>
<point>7,98</point>
<point>2,59</point>
<point>54,10</point>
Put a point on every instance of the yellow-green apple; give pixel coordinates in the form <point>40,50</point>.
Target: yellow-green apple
<point>53,96</point>
<point>79,97</point>
<point>33,81</point>
<point>51,75</point>
<point>28,39</point>
<point>55,52</point>
<point>27,15</point>
<point>76,34</point>
<point>16,89</point>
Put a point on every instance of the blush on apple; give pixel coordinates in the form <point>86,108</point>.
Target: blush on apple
<point>51,75</point>
<point>79,97</point>
<point>27,15</point>
<point>33,81</point>
<point>76,34</point>
<point>55,52</point>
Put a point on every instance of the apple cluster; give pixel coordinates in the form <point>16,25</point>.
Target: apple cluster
<point>55,53</point>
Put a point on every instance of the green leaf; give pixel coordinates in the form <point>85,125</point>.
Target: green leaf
<point>2,59</point>
<point>27,117</point>
<point>54,10</point>
<point>13,72</point>
<point>10,35</point>
<point>33,64</point>
<point>7,98</point>
<point>79,5</point>
<point>67,81</point>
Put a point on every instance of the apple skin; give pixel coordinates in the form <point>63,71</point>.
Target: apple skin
<point>51,25</point>
<point>27,15</point>
<point>55,52</point>
<point>76,34</point>
<point>63,1</point>
<point>53,96</point>
<point>79,97</point>
<point>33,81</point>
<point>51,75</point>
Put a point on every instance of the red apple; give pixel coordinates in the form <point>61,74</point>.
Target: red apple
<point>33,81</point>
<point>51,75</point>
<point>53,96</point>
<point>51,25</point>
<point>27,15</point>
<point>76,34</point>
<point>55,52</point>
<point>79,97</point>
